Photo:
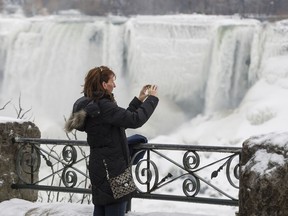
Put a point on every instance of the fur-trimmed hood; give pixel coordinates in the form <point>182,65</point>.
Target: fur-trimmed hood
<point>76,121</point>
<point>82,108</point>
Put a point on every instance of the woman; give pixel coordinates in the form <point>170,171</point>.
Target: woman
<point>106,135</point>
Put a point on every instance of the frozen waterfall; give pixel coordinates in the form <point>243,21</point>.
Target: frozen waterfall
<point>202,64</point>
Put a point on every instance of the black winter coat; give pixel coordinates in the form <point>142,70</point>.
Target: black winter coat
<point>107,140</point>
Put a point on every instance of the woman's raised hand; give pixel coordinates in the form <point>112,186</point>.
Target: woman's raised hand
<point>146,91</point>
<point>152,90</point>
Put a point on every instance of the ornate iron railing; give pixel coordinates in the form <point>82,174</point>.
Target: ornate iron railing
<point>53,165</point>
<point>189,173</point>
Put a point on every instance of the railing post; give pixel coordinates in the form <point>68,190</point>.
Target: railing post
<point>148,168</point>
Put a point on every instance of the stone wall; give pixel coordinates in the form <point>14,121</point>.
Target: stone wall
<point>8,154</point>
<point>264,176</point>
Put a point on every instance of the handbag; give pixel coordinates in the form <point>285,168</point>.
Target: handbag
<point>122,184</point>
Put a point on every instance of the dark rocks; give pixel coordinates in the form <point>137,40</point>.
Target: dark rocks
<point>8,154</point>
<point>264,176</point>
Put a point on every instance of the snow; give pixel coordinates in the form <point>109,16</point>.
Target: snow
<point>19,207</point>
<point>263,160</point>
<point>4,119</point>
<point>280,139</point>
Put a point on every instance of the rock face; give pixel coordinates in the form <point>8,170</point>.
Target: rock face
<point>8,158</point>
<point>264,176</point>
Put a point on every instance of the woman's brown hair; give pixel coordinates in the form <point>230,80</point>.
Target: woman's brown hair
<point>93,82</point>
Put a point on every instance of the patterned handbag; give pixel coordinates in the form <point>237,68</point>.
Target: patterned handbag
<point>122,184</point>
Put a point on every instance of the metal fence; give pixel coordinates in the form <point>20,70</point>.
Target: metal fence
<point>190,173</point>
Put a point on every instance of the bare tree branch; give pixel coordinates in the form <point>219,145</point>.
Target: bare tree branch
<point>5,105</point>
<point>19,110</point>
<point>25,113</point>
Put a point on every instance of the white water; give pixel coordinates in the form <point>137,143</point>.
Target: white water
<point>203,65</point>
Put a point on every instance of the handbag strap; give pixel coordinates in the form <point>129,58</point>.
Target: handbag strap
<point>107,173</point>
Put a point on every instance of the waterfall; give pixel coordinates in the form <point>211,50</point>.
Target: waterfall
<point>202,64</point>
<point>228,78</point>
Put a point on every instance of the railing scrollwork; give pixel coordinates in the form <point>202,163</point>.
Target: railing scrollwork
<point>64,168</point>
<point>190,171</point>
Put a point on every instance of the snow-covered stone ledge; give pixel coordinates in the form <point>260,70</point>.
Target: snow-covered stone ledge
<point>9,128</point>
<point>264,176</point>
